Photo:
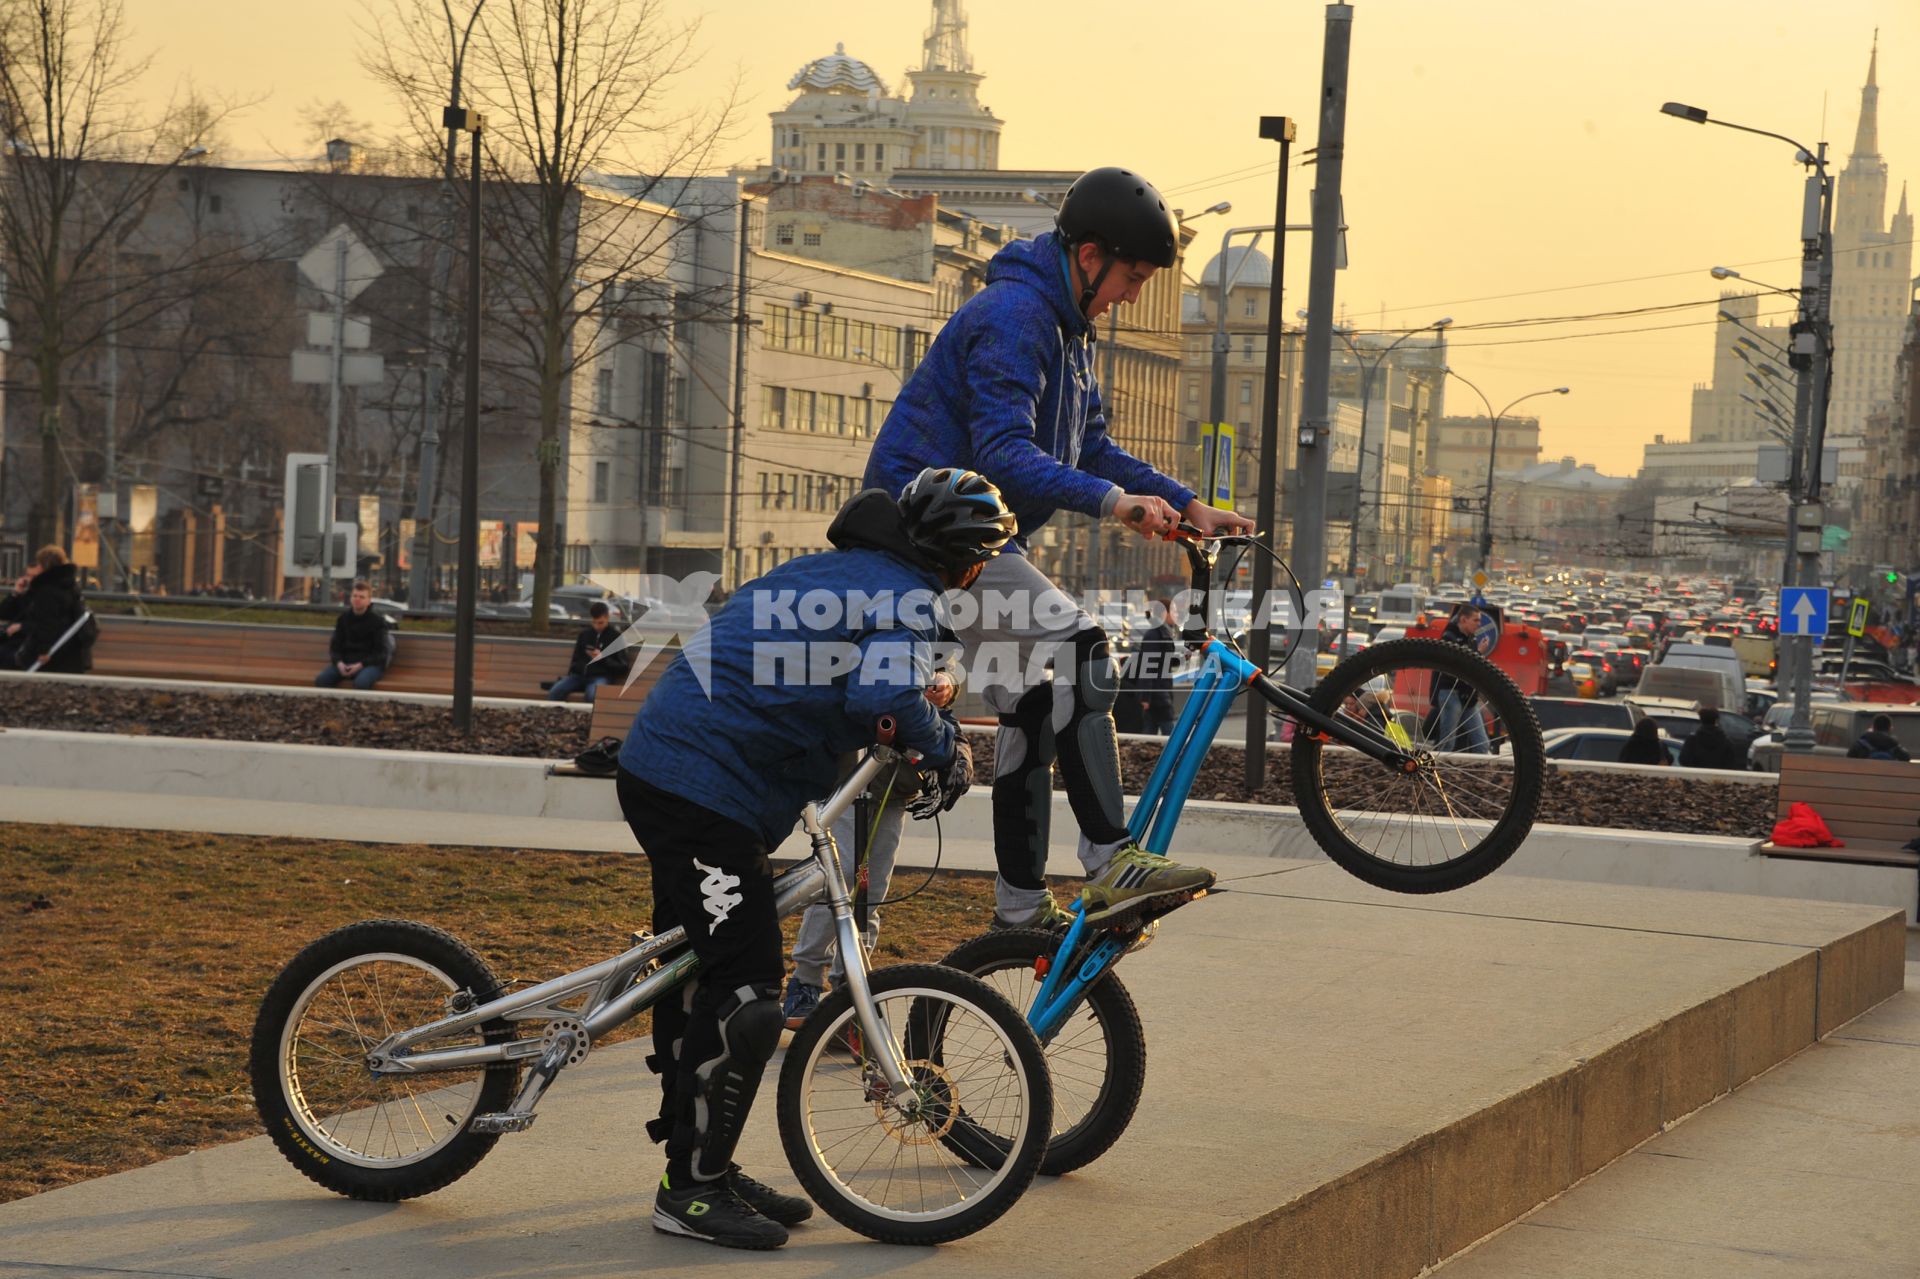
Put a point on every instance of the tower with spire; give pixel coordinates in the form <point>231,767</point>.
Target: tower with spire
<point>1872,273</point>
<point>956,132</point>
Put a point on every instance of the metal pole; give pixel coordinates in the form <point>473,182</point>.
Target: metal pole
<point>731,572</point>
<point>420,578</point>
<point>113,410</point>
<point>1486,517</point>
<point>1260,645</point>
<point>1094,530</point>
<point>469,583</point>
<point>1812,359</point>
<point>333,415</point>
<point>1309,514</point>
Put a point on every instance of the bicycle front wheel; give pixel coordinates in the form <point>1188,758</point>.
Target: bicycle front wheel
<point>359,1134</point>
<point>1470,792</point>
<point>887,1166</point>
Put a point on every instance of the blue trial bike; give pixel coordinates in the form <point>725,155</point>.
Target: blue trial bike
<point>1415,764</point>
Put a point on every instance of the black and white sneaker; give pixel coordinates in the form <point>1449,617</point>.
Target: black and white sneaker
<point>788,1210</point>
<point>714,1211</point>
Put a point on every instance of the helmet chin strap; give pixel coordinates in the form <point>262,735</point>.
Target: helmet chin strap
<point>1089,288</point>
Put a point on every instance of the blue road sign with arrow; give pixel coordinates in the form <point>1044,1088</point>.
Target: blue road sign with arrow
<point>1803,610</point>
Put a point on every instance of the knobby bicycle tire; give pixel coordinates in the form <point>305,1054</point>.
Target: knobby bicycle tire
<point>1485,839</point>
<point>1079,1141</point>
<point>303,1136</point>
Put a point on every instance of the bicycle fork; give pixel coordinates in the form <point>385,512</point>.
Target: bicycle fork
<point>880,1047</point>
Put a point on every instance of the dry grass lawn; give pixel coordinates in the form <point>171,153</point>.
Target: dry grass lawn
<point>132,963</point>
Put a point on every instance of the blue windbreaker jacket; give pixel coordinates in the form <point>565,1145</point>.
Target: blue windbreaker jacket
<point>767,740</point>
<point>1008,389</point>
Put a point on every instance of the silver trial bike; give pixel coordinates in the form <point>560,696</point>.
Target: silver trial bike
<point>914,1105</point>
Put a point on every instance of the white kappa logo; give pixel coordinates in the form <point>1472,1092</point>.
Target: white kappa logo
<point>716,889</point>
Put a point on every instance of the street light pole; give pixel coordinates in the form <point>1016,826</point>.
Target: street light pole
<point>1367,372</point>
<point>1811,356</point>
<point>420,576</point>
<point>1493,444</point>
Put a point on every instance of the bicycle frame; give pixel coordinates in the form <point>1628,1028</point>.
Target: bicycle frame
<point>1224,674</point>
<point>613,996</point>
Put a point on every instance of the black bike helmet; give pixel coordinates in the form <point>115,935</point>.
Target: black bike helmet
<point>954,517</point>
<point>1121,212</point>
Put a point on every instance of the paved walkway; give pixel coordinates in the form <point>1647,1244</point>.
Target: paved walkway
<point>1813,1169</point>
<point>1343,1083</point>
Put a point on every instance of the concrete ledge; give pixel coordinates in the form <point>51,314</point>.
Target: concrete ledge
<point>492,801</point>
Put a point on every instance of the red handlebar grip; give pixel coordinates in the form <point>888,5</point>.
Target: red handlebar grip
<point>883,730</point>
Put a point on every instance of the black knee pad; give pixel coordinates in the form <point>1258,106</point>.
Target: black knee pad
<point>750,1026</point>
<point>1096,680</point>
<point>1023,789</point>
<point>1089,751</point>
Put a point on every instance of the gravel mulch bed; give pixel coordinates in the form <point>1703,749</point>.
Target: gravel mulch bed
<point>539,732</point>
<point>1614,800</point>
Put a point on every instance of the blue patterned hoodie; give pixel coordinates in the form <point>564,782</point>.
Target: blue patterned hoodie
<point>1008,389</point>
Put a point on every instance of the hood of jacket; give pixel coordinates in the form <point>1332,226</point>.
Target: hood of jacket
<point>1879,741</point>
<point>61,577</point>
<point>1041,265</point>
<point>872,521</point>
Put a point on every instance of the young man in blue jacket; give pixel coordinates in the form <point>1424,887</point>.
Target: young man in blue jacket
<point>742,731</point>
<point>1008,389</point>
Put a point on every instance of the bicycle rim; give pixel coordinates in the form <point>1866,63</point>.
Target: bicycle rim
<point>371,1121</point>
<point>1471,793</point>
<point>899,1167</point>
<point>1079,1056</point>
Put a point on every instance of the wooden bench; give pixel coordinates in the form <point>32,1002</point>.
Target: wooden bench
<point>1872,805</point>
<point>250,653</point>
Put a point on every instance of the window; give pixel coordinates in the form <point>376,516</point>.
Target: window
<point>213,204</point>
<point>603,398</point>
<point>820,153</point>
<point>602,480</point>
<point>836,336</point>
<point>677,403</point>
<point>1246,347</point>
<point>765,490</point>
<point>774,415</point>
<point>859,156</point>
<point>1246,390</point>
<point>833,413</point>
<point>783,233</point>
<point>810,239</point>
<point>840,153</point>
<point>1250,304</point>
<point>803,409</point>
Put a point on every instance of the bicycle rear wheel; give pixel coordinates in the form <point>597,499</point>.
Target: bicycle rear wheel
<point>1471,793</point>
<point>367,1136</point>
<point>1097,1059</point>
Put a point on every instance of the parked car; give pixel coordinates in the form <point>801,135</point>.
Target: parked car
<point>1556,714</point>
<point>1598,745</point>
<point>574,600</point>
<point>1678,719</point>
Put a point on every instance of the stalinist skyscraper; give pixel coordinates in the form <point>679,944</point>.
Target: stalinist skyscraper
<point>1872,274</point>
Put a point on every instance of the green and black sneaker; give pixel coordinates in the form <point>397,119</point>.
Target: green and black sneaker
<point>714,1211</point>
<point>1136,881</point>
<point>788,1210</point>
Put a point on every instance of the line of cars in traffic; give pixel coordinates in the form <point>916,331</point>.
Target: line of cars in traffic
<point>1624,648</point>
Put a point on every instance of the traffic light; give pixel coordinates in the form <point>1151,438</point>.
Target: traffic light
<point>1892,578</point>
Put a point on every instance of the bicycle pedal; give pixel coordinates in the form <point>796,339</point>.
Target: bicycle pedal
<point>502,1121</point>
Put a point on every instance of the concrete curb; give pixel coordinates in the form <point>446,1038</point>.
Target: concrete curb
<point>494,801</point>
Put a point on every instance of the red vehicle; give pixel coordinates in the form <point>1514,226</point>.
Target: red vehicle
<point>1521,650</point>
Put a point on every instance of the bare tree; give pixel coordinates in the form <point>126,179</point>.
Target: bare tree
<point>573,91</point>
<point>81,174</point>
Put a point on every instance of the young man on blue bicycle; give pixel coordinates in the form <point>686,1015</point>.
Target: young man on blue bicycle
<point>1008,389</point>
<point>743,729</point>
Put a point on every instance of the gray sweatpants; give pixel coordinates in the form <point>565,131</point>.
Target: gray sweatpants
<point>816,948</point>
<point>1022,612</point>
